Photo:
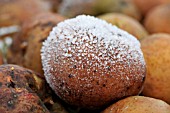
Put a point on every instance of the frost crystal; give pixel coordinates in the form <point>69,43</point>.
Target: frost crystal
<point>91,44</point>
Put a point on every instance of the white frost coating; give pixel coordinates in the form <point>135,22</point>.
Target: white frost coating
<point>94,41</point>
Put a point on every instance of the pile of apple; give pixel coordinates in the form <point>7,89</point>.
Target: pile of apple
<point>25,24</point>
